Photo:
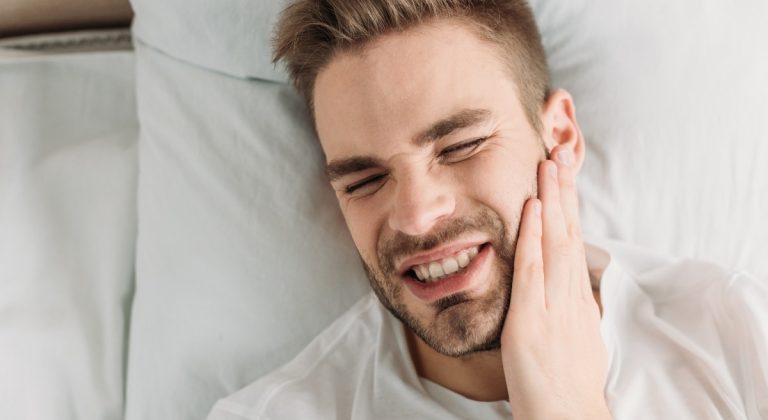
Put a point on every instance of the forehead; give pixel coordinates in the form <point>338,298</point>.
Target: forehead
<point>384,94</point>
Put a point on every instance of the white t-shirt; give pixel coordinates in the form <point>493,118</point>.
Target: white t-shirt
<point>686,340</point>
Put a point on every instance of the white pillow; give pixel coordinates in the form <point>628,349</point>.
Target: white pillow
<point>667,94</point>
<point>228,36</point>
<point>228,166</point>
<point>242,254</point>
<point>67,228</point>
<point>670,96</point>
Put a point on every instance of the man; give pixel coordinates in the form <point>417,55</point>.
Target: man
<point>454,164</point>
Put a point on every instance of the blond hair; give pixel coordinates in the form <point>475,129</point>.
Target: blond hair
<point>310,32</point>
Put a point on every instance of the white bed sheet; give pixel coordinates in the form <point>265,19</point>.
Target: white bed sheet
<point>237,229</point>
<point>68,133</point>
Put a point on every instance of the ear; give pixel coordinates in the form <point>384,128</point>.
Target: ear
<point>560,128</point>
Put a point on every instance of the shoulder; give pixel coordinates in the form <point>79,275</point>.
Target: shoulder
<point>717,319</point>
<point>699,300</point>
<point>697,328</point>
<point>663,279</point>
<point>310,383</point>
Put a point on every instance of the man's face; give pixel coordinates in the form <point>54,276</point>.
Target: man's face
<point>432,159</point>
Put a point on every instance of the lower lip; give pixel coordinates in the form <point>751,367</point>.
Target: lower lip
<point>449,285</point>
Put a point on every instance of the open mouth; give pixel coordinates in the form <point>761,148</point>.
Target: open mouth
<point>434,271</point>
<point>460,270</point>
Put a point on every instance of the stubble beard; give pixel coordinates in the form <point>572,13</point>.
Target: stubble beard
<point>463,324</point>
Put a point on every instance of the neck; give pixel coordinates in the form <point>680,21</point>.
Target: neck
<point>477,376</point>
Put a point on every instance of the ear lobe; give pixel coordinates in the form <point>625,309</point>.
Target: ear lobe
<point>561,127</point>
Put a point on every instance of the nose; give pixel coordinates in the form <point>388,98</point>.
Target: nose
<point>420,202</point>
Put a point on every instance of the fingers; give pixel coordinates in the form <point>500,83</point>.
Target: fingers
<point>550,265</point>
<point>569,200</point>
<point>555,243</point>
<point>568,193</point>
<point>564,261</point>
<point>528,284</point>
<point>578,281</point>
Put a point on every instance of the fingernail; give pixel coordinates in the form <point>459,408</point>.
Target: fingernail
<point>565,157</point>
<point>552,171</point>
<point>537,208</point>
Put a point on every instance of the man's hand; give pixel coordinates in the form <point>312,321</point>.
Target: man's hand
<point>555,362</point>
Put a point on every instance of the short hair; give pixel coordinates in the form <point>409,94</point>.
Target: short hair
<point>310,33</point>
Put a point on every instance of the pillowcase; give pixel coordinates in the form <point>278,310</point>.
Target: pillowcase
<point>68,135</point>
<point>665,95</point>
<point>228,36</point>
<point>668,95</point>
<point>242,254</point>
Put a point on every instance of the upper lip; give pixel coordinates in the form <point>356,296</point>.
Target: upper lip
<point>436,254</point>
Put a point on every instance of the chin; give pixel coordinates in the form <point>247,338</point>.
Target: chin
<point>468,326</point>
<point>466,314</point>
<point>457,325</point>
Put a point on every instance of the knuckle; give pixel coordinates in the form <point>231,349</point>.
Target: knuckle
<point>534,270</point>
<point>567,181</point>
<point>574,230</point>
<point>562,249</point>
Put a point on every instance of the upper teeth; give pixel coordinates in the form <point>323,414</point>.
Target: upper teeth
<point>432,271</point>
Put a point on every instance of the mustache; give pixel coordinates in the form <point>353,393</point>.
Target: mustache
<point>402,245</point>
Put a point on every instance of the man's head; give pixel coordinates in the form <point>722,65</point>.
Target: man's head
<point>433,116</point>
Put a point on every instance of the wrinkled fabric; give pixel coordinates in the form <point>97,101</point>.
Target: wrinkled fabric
<point>686,340</point>
<point>68,133</point>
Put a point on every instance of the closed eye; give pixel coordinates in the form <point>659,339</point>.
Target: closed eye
<point>460,151</point>
<point>365,185</point>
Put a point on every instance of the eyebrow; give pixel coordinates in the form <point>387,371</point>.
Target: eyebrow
<point>467,117</point>
<point>342,167</point>
<point>464,118</point>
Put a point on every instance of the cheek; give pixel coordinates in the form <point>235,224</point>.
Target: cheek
<point>502,181</point>
<point>361,222</point>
